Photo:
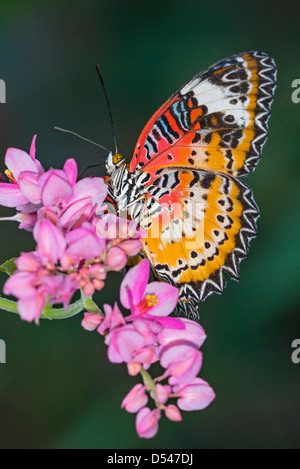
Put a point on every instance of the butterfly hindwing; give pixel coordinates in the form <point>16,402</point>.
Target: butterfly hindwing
<point>198,226</point>
<point>217,121</point>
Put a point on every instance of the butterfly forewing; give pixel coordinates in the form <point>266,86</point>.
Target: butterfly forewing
<point>217,121</point>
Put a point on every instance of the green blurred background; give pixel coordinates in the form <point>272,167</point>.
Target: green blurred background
<point>58,389</point>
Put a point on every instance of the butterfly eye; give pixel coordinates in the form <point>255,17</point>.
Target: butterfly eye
<point>117,159</point>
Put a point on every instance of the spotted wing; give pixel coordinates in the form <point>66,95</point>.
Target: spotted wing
<point>198,226</point>
<point>216,122</point>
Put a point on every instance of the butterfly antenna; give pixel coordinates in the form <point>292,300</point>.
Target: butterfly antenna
<point>109,108</point>
<point>82,138</point>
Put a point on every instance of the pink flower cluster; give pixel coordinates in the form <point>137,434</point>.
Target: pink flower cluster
<point>77,243</point>
<point>146,336</point>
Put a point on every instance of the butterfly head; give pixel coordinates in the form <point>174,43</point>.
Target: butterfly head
<point>114,161</point>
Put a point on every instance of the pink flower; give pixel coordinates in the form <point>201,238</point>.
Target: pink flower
<point>131,247</point>
<point>34,284</point>
<point>23,285</point>
<point>135,399</point>
<point>31,188</point>
<point>59,287</point>
<point>92,188</point>
<point>70,169</point>
<point>182,360</point>
<point>55,187</point>
<point>173,413</point>
<point>148,328</point>
<point>195,395</point>
<point>23,172</point>
<point>147,422</point>
<point>31,308</point>
<point>192,332</point>
<point>77,245</point>
<point>88,278</point>
<point>116,259</point>
<point>123,344</point>
<point>134,368</point>
<point>163,393</point>
<point>113,319</point>
<point>51,242</point>
<point>88,195</point>
<point>83,242</point>
<point>146,356</point>
<point>149,301</point>
<point>91,321</point>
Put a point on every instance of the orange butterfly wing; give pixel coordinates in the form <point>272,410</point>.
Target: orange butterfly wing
<point>198,216</point>
<point>217,121</point>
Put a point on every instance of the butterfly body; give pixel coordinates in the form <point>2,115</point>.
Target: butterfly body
<point>182,185</point>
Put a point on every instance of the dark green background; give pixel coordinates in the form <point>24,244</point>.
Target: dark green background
<point>58,389</point>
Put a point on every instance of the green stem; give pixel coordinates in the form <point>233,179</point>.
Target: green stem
<point>149,381</point>
<point>61,313</point>
<point>48,313</point>
<point>89,304</point>
<point>8,305</point>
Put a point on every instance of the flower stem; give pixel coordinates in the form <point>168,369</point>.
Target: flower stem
<point>89,304</point>
<point>61,313</point>
<point>148,381</point>
<point>8,305</point>
<point>48,313</point>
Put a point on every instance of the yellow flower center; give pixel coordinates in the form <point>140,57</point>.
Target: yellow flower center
<point>10,176</point>
<point>148,302</point>
<point>152,300</point>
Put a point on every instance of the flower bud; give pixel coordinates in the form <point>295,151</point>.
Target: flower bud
<point>147,422</point>
<point>91,321</point>
<point>173,413</point>
<point>135,399</point>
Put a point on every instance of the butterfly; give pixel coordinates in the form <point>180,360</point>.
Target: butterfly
<point>182,186</point>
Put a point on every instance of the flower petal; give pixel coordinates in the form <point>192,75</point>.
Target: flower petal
<point>91,321</point>
<point>32,151</point>
<point>11,195</point>
<point>76,213</point>
<point>95,188</point>
<point>173,413</point>
<point>21,285</point>
<point>55,187</point>
<point>29,185</point>
<point>147,422</point>
<point>191,331</point>
<point>71,170</point>
<point>182,360</point>
<point>131,246</point>
<point>83,243</point>
<point>169,323</point>
<point>167,296</point>
<point>116,259</point>
<point>135,399</point>
<point>134,284</point>
<point>32,154</point>
<point>28,261</point>
<point>18,161</point>
<point>31,309</point>
<point>196,395</point>
<point>51,242</point>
